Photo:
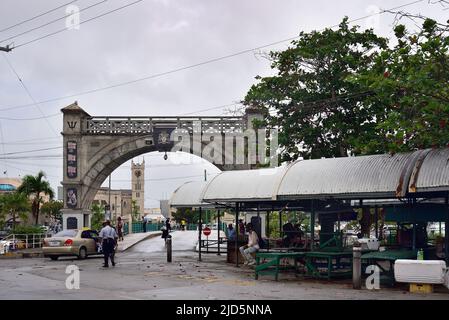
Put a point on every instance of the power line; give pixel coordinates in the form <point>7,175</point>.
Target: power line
<point>27,140</point>
<point>27,151</point>
<point>34,118</point>
<point>38,16</point>
<point>82,22</point>
<point>157,75</point>
<point>29,93</point>
<point>52,21</point>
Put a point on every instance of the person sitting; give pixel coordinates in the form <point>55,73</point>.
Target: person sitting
<point>289,234</point>
<point>251,247</point>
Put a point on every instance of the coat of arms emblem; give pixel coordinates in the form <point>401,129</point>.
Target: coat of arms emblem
<point>164,138</point>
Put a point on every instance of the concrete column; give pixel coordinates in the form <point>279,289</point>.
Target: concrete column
<point>357,266</point>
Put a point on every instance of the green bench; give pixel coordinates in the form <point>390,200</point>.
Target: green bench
<point>272,262</point>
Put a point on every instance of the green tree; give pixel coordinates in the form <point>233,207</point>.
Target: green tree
<point>318,111</point>
<point>97,216</point>
<point>187,214</point>
<point>135,211</point>
<point>53,209</point>
<point>411,81</point>
<point>36,187</point>
<point>15,205</point>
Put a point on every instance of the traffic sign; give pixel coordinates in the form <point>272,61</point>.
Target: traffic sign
<point>206,231</point>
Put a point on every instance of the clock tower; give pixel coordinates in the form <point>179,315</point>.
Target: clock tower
<point>138,185</point>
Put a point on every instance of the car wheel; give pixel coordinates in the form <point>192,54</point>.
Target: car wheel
<point>82,254</point>
<point>54,258</point>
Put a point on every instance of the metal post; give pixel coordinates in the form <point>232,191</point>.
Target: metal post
<point>237,232</point>
<point>446,233</point>
<point>218,230</point>
<point>200,228</point>
<point>312,226</point>
<point>109,199</point>
<point>268,230</point>
<point>414,237</point>
<point>376,217</point>
<point>169,251</point>
<point>356,266</point>
<point>280,223</point>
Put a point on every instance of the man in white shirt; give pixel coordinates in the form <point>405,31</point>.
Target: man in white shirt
<point>251,247</point>
<point>108,236</point>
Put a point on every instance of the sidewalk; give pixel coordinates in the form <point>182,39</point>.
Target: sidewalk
<point>134,238</point>
<point>128,241</point>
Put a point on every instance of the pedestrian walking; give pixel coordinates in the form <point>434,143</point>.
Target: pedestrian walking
<point>120,229</point>
<point>144,224</point>
<point>108,237</point>
<point>168,224</point>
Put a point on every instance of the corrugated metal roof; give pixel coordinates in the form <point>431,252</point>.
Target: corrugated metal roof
<point>189,195</point>
<point>244,185</point>
<point>433,173</point>
<point>353,177</point>
<point>365,177</point>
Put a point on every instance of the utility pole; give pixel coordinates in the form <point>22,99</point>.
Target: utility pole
<point>109,196</point>
<point>6,49</point>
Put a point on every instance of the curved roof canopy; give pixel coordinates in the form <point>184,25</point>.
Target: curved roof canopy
<point>431,173</point>
<point>189,195</point>
<point>365,177</point>
<point>243,185</point>
<point>376,176</point>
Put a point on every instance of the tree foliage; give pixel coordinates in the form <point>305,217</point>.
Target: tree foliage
<point>412,81</point>
<point>318,111</point>
<point>36,187</point>
<point>97,216</point>
<point>53,209</point>
<point>347,92</point>
<point>16,205</point>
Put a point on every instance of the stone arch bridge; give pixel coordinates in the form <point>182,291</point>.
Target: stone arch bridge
<point>94,146</point>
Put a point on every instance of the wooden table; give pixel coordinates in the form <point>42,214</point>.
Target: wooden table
<point>272,263</point>
<point>329,256</point>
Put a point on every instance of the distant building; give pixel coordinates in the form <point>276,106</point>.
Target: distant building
<point>165,208</point>
<point>120,205</point>
<point>138,185</point>
<point>121,199</point>
<point>8,185</point>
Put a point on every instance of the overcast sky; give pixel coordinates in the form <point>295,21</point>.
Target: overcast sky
<point>150,37</point>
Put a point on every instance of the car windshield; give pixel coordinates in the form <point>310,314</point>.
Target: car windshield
<point>66,233</point>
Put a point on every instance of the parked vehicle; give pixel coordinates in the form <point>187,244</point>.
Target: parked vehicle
<point>80,243</point>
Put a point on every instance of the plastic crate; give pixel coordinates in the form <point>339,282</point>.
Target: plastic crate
<point>421,288</point>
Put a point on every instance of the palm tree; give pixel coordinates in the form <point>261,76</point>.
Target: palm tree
<point>37,187</point>
<point>16,205</point>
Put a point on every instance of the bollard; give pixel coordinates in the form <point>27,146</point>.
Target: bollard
<point>357,266</point>
<point>168,249</point>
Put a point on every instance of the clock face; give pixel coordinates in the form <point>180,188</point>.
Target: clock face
<point>137,173</point>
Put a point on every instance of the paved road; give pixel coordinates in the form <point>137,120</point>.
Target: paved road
<point>181,241</point>
<point>143,273</point>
